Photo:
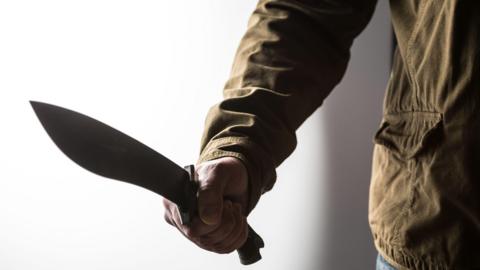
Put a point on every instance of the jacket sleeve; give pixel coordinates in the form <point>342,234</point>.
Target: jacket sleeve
<point>292,55</point>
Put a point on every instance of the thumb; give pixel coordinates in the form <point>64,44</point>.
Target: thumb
<point>210,201</point>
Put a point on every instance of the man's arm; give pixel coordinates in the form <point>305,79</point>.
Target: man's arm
<point>292,55</point>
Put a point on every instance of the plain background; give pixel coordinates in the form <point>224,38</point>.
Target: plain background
<point>152,69</point>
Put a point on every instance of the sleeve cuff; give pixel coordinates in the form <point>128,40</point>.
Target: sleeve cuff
<point>260,168</point>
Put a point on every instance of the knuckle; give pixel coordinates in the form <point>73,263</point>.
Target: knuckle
<point>206,244</point>
<point>223,251</point>
<point>230,250</point>
<point>223,248</point>
<point>167,218</point>
<point>219,248</point>
<point>208,185</point>
<point>213,170</point>
<point>166,204</point>
<point>220,166</point>
<point>190,233</point>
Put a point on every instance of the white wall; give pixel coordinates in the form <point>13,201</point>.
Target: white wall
<point>152,69</point>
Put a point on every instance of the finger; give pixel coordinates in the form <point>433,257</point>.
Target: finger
<point>167,212</point>
<point>237,236</point>
<point>172,216</point>
<point>210,198</point>
<point>195,229</point>
<point>227,225</point>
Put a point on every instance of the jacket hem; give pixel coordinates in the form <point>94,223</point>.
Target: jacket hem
<point>399,259</point>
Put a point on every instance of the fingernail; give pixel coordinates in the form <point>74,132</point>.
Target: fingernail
<point>210,215</point>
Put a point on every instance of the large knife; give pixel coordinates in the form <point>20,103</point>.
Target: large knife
<point>108,152</point>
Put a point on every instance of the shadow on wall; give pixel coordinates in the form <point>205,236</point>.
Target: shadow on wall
<point>351,115</point>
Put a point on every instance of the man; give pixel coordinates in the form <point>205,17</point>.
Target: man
<point>424,209</point>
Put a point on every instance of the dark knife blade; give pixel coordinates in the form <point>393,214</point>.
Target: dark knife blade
<point>108,152</point>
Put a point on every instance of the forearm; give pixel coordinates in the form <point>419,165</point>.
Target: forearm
<point>292,56</point>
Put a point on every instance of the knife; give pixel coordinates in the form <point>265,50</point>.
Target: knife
<point>108,152</point>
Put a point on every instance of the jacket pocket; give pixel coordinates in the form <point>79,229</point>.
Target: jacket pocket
<point>406,134</point>
<point>401,147</point>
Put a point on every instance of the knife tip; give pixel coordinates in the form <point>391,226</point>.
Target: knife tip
<point>35,104</point>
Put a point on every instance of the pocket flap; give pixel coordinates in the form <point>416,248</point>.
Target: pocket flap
<point>406,133</point>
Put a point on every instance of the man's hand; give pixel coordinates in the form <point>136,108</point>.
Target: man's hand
<point>222,203</point>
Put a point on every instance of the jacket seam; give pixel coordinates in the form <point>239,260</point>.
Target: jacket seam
<point>433,113</point>
<point>394,255</point>
<point>411,69</point>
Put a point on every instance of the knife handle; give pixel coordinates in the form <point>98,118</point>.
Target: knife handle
<point>249,252</point>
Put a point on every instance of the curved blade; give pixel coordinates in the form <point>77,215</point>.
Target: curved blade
<point>108,152</point>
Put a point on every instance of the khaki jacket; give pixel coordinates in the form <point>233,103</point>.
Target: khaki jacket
<point>424,208</point>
